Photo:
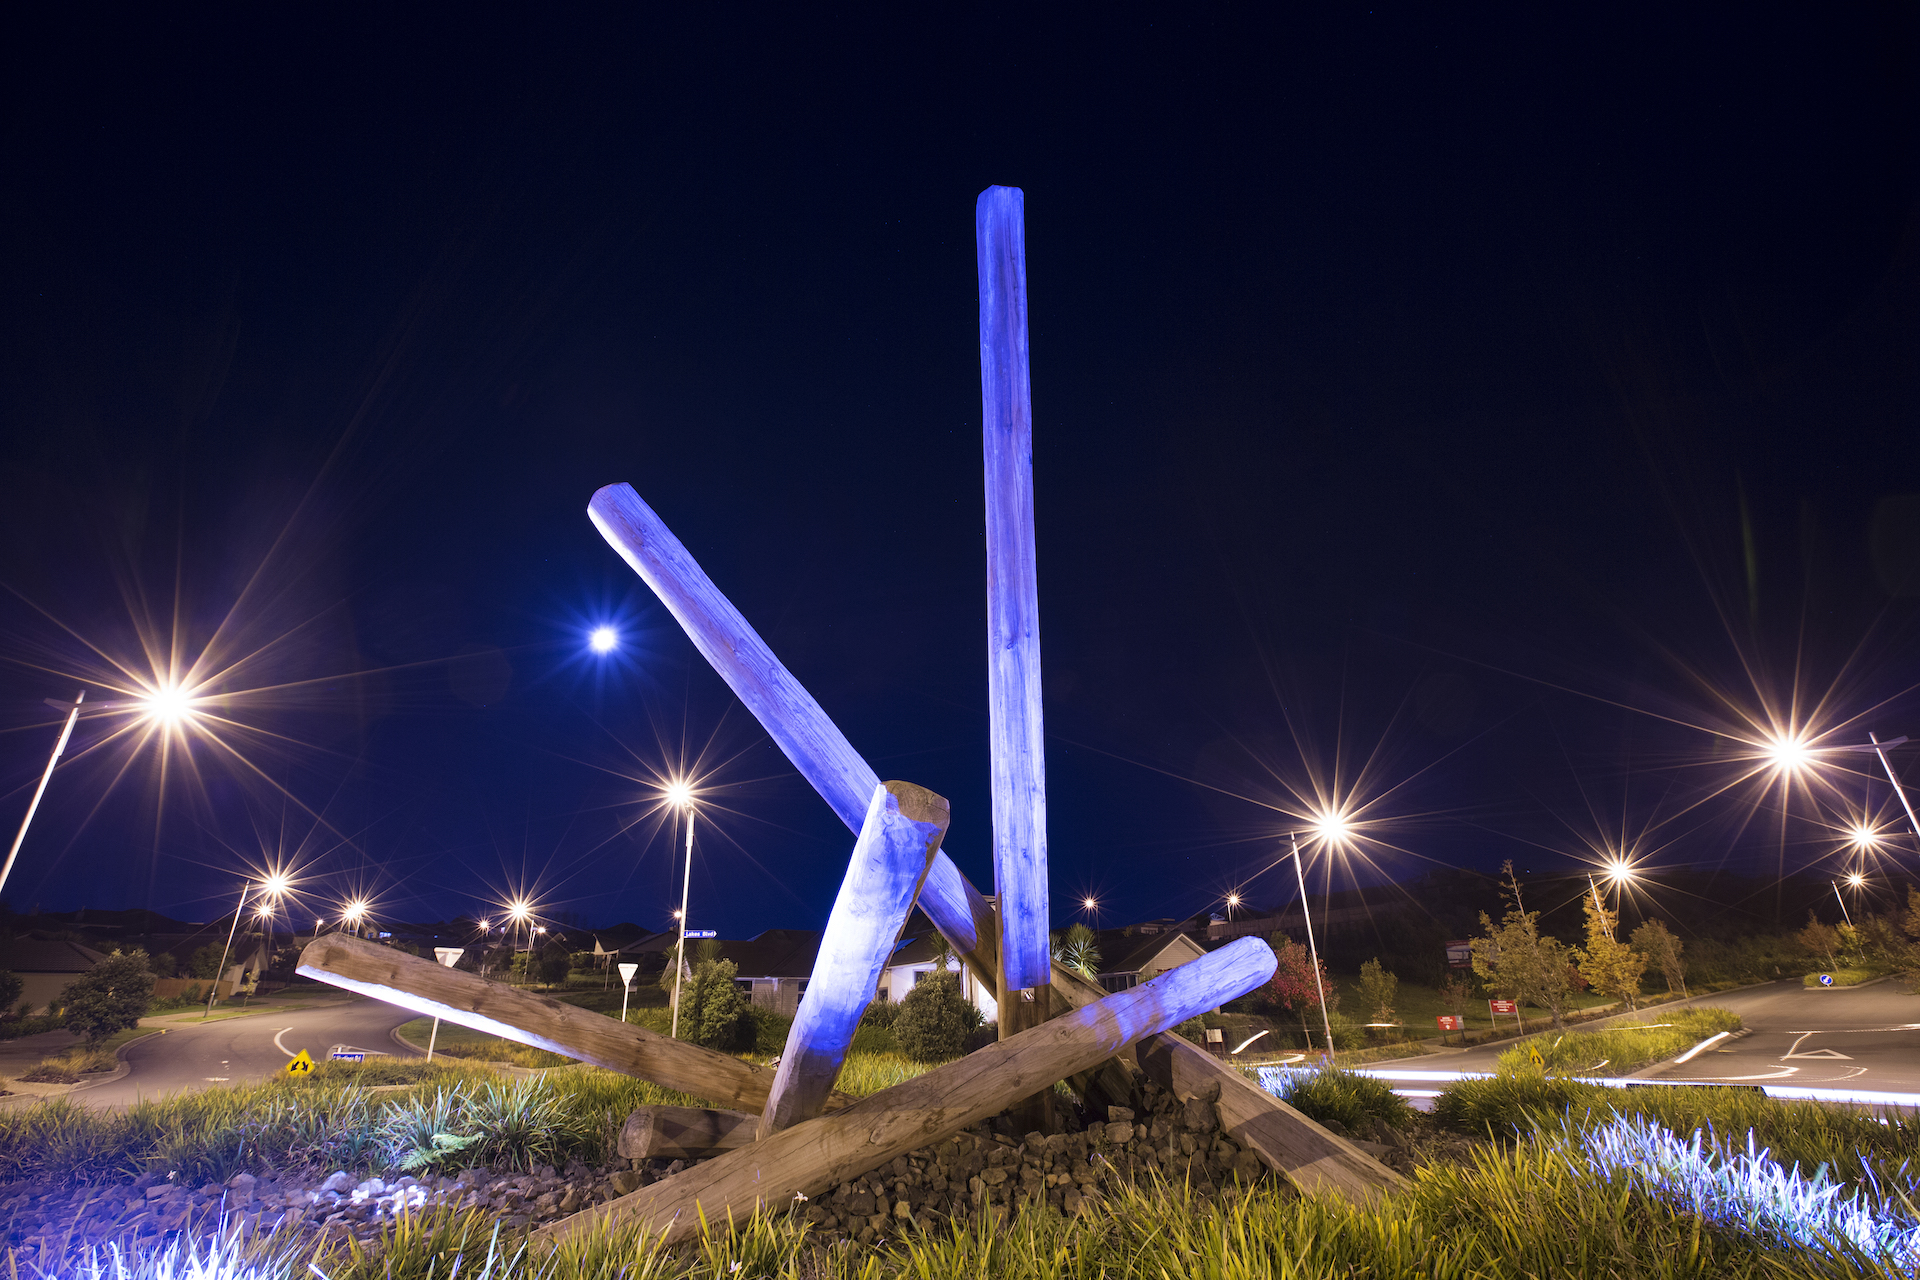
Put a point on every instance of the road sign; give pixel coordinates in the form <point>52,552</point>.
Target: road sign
<point>1533,1056</point>
<point>1503,1006</point>
<point>626,975</point>
<point>449,956</point>
<point>301,1064</point>
<point>1826,979</point>
<point>1451,1022</point>
<point>339,1056</point>
<point>702,933</point>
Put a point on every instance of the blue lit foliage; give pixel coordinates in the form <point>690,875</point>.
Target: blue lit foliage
<point>1747,1190</point>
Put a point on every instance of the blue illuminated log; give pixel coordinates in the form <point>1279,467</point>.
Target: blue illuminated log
<point>901,833</point>
<point>807,1159</point>
<point>782,705</point>
<point>1015,734</point>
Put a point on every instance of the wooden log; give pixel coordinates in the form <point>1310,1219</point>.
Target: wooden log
<point>684,1133</point>
<point>789,714</point>
<point>1314,1159</point>
<point>810,1157</point>
<point>1286,1141</point>
<point>545,1023</point>
<point>902,831</point>
<point>1015,734</point>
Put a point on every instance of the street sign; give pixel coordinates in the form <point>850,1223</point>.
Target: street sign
<point>301,1064</point>
<point>1533,1056</point>
<point>1504,1006</point>
<point>449,956</point>
<point>1460,954</point>
<point>1451,1022</point>
<point>626,975</point>
<point>340,1056</point>
<point>1826,979</point>
<point>702,933</point>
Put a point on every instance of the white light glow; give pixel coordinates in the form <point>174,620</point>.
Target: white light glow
<point>520,911</point>
<point>1789,753</point>
<point>275,885</point>
<point>1856,879</point>
<point>1618,870</point>
<point>604,639</point>
<point>679,794</point>
<point>1332,826</point>
<point>169,704</point>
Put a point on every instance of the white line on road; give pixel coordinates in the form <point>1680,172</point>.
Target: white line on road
<point>282,1048</point>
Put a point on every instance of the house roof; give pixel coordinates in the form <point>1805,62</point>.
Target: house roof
<point>777,953</point>
<point>917,950</point>
<point>1123,952</point>
<point>47,955</point>
<point>617,936</point>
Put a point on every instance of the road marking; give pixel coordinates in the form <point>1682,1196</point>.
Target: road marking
<point>215,1078</point>
<point>282,1048</point>
<point>1794,1052</point>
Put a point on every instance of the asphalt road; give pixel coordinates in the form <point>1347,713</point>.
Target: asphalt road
<point>190,1056</point>
<point>1862,1038</point>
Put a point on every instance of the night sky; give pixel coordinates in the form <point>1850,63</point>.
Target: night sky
<point>1479,415</point>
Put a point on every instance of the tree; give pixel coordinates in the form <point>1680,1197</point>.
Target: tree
<point>1520,964</point>
<point>1610,966</point>
<point>1662,950</point>
<point>714,1011</point>
<point>932,1024</point>
<point>1294,985</point>
<point>10,988</point>
<point>555,964</point>
<point>1819,938</point>
<point>206,961</point>
<point>1378,989</point>
<point>112,996</point>
<point>1077,950</point>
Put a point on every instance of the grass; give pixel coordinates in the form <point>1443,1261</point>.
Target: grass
<point>1842,977</point>
<point>1353,1101</point>
<point>68,1067</point>
<point>1537,1208</point>
<point>456,1041</point>
<point>1856,1144</point>
<point>1624,1046</point>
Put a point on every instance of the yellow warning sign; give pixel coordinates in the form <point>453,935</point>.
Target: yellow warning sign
<point>302,1064</point>
<point>1533,1056</point>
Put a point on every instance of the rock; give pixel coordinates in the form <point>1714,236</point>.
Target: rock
<point>1119,1131</point>
<point>161,1192</point>
<point>1119,1113</point>
<point>902,1209</point>
<point>570,1201</point>
<point>339,1180</point>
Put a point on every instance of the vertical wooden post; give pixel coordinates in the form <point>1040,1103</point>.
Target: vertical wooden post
<point>1016,736</point>
<point>902,831</point>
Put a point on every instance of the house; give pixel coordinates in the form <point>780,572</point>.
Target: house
<point>771,967</point>
<point>45,966</point>
<point>1129,957</point>
<point>915,959</point>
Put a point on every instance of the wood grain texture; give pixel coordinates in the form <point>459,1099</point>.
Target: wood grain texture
<point>1016,737</point>
<point>433,991</point>
<point>810,1157</point>
<point>901,833</point>
<point>684,1133</point>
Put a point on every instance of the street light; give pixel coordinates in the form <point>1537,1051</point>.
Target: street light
<point>603,640</point>
<point>66,732</point>
<point>680,796</point>
<point>352,914</point>
<point>272,885</point>
<point>1313,952</point>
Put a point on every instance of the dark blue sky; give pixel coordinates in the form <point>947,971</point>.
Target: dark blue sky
<point>1490,404</point>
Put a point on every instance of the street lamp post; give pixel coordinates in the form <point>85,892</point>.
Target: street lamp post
<point>213,992</point>
<point>682,796</point>
<point>1844,913</point>
<point>66,732</point>
<point>1313,952</point>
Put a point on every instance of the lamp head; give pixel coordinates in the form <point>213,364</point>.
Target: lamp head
<point>1789,753</point>
<point>1856,879</point>
<point>679,794</point>
<point>1332,825</point>
<point>168,704</point>
<point>603,639</point>
<point>275,884</point>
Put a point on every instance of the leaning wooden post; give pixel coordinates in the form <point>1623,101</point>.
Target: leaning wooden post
<point>540,1021</point>
<point>902,831</point>
<point>810,1157</point>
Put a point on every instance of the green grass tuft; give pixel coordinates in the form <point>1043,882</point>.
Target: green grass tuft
<point>1354,1101</point>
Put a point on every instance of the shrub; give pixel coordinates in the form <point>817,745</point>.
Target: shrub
<point>932,1024</point>
<point>206,961</point>
<point>10,987</point>
<point>714,1011</point>
<point>880,1013</point>
<point>1378,991</point>
<point>1351,1100</point>
<point>112,996</point>
<point>1623,1046</point>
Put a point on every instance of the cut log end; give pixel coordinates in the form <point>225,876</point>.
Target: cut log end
<point>921,805</point>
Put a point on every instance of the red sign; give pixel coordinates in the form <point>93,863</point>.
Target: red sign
<point>1448,1022</point>
<point>1503,1006</point>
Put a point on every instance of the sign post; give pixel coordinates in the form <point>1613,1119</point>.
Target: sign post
<point>1499,1007</point>
<point>626,986</point>
<point>448,956</point>
<point>1452,1022</point>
